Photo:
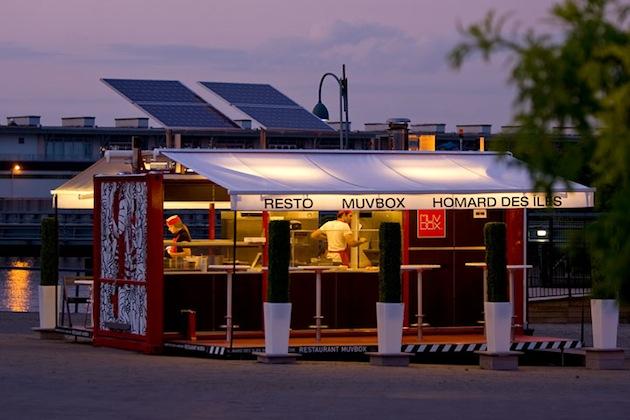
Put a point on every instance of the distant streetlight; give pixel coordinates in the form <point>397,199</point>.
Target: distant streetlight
<point>15,170</point>
<point>321,111</point>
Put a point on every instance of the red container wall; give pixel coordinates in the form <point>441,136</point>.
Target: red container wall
<point>453,293</point>
<point>128,266</point>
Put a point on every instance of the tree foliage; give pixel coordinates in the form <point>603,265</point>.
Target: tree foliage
<point>576,77</point>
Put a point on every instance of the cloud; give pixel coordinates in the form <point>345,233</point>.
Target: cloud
<point>183,54</point>
<point>373,47</point>
<point>12,51</point>
<point>357,32</point>
<point>392,72</point>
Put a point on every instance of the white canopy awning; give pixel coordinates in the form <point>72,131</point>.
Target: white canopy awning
<point>78,192</point>
<point>374,180</point>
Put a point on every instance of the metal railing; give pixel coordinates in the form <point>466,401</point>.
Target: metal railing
<point>74,227</point>
<point>75,271</point>
<point>562,281</point>
<point>553,274</point>
<point>43,157</point>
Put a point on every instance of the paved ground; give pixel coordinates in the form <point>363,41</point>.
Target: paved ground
<point>574,331</point>
<point>59,379</point>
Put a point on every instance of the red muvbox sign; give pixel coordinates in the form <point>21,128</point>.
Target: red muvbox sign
<point>432,223</point>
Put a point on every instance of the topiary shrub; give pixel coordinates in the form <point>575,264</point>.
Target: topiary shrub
<point>279,258</point>
<point>49,252</point>
<point>389,265</point>
<point>494,235</point>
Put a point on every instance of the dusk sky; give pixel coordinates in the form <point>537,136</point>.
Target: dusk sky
<point>53,53</point>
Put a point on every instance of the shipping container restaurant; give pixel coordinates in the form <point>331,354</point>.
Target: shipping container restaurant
<point>211,299</point>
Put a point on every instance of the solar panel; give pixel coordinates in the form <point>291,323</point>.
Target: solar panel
<point>249,94</point>
<point>180,115</point>
<point>154,90</point>
<point>171,103</point>
<point>293,118</point>
<point>267,105</point>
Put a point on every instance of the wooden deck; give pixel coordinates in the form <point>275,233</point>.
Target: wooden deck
<point>343,345</point>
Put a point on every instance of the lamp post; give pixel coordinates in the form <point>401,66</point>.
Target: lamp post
<point>321,111</point>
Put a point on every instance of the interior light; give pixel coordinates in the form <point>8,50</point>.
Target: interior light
<point>541,233</point>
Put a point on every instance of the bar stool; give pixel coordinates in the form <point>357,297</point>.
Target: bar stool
<point>229,269</point>
<point>511,269</point>
<point>481,265</point>
<point>419,269</point>
<point>318,269</point>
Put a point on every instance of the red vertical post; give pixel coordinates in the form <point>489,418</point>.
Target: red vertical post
<point>191,324</point>
<point>96,257</point>
<point>265,262</point>
<point>211,222</point>
<point>405,260</point>
<point>212,230</point>
<point>516,256</point>
<point>155,263</point>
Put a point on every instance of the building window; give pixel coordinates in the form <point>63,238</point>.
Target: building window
<point>21,140</point>
<point>68,149</point>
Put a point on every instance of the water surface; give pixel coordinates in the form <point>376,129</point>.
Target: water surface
<point>19,279</point>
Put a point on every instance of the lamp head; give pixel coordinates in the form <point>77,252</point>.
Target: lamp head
<point>320,111</point>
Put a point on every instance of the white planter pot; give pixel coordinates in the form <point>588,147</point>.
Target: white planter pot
<point>605,321</point>
<point>277,324</point>
<point>498,317</point>
<point>48,311</point>
<point>389,321</point>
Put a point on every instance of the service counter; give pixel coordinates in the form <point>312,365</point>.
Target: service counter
<point>205,293</point>
<point>348,298</point>
<point>216,251</point>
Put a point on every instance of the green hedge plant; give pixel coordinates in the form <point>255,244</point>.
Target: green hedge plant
<point>49,252</point>
<point>494,235</point>
<point>603,288</point>
<point>279,258</point>
<point>389,265</point>
<point>584,256</point>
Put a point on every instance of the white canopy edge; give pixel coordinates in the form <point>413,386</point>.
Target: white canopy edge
<point>410,201</point>
<point>86,202</point>
<point>78,192</point>
<point>279,180</point>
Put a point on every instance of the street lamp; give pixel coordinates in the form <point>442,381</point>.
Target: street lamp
<point>15,170</point>
<point>321,111</point>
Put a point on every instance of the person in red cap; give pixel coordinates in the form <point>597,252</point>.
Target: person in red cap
<point>339,237</point>
<point>180,234</point>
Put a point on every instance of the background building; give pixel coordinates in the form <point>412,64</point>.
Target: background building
<point>35,159</point>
